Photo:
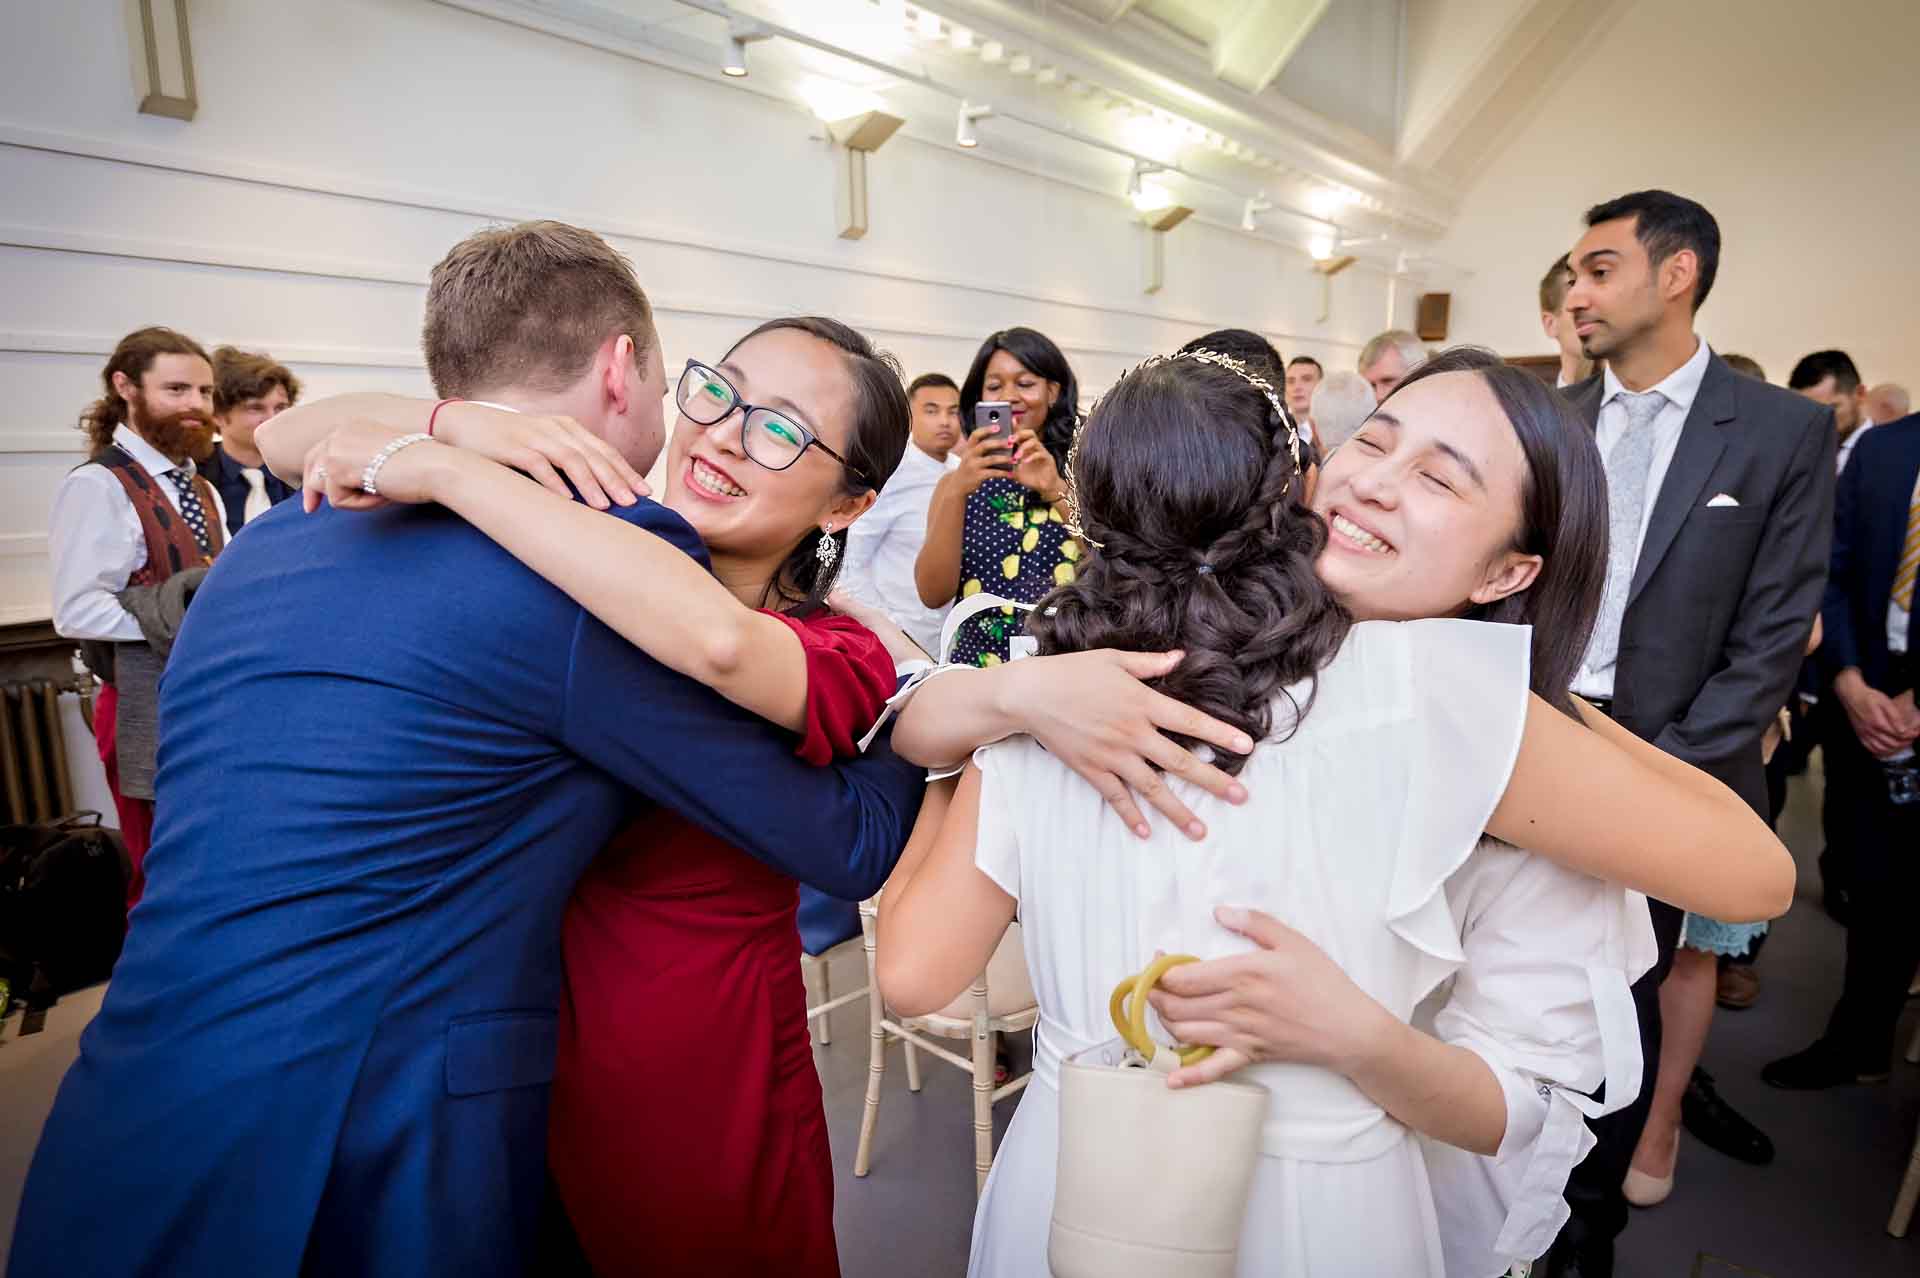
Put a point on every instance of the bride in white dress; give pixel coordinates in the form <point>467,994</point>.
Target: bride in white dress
<point>1384,751</point>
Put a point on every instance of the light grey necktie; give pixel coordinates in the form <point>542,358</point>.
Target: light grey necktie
<point>1628,464</point>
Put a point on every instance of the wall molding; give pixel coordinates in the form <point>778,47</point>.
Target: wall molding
<point>44,443</point>
<point>336,186</point>
<point>22,545</point>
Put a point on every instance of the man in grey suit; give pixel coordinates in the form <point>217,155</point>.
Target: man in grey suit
<point>1720,490</point>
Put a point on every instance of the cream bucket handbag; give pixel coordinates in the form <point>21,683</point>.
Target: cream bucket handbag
<point>1152,1182</point>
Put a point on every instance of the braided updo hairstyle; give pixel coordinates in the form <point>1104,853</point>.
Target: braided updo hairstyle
<point>1184,477</point>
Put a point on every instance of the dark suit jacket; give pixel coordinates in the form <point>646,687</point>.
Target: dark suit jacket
<point>1869,529</point>
<point>1723,597</point>
<point>328,1041</point>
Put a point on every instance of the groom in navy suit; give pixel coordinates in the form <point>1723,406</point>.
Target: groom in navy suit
<point>327,1044</point>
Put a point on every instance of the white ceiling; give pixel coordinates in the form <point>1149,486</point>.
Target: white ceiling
<point>1304,103</point>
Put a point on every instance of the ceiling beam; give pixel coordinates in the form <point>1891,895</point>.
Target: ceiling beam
<point>1466,97</point>
<point>1108,11</point>
<point>1257,41</point>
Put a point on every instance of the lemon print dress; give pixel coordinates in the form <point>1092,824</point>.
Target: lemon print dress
<point>1013,545</point>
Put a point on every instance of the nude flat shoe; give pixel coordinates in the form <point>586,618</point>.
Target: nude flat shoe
<point>1643,1190</point>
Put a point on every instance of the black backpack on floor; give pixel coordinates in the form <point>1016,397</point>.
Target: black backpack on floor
<point>63,906</point>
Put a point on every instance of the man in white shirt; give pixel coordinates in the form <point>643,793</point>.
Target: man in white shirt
<point>134,517</point>
<point>1830,378</point>
<point>883,545</point>
<point>1304,375</point>
<point>1720,493</point>
<point>1556,323</point>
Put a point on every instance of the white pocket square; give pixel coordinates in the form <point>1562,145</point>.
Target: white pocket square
<point>1723,499</point>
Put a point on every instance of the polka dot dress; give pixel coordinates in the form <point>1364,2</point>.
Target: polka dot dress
<point>1013,545</point>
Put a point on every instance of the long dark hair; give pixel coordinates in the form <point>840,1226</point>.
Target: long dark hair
<point>1036,351</point>
<point>878,438</point>
<point>1563,517</point>
<point>1184,477</point>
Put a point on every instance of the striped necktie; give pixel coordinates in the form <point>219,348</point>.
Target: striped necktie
<point>1909,554</point>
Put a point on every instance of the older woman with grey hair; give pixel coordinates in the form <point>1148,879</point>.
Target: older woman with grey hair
<point>1340,404</point>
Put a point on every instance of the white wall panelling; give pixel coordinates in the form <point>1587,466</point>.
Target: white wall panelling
<point>340,149</point>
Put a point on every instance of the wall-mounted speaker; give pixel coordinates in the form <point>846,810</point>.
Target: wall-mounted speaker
<point>1430,319</point>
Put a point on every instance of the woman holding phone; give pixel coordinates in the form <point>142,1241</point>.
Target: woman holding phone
<point>996,523</point>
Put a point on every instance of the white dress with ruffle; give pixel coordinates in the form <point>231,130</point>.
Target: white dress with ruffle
<point>1364,833</point>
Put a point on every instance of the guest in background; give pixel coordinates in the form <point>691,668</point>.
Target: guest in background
<point>1387,359</point>
<point>1746,364</point>
<point>1340,404</point>
<point>997,522</point>
<point>1575,367</point>
<point>1868,655</point>
<point>1829,377</point>
<point>1721,490</point>
<point>884,544</point>
<point>118,535</point>
<point>1304,376</point>
<point>248,389</point>
<point>1888,402</point>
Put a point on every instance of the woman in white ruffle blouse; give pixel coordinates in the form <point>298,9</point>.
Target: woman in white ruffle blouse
<point>1429,1008</point>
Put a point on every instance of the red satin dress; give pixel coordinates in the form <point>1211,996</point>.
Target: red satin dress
<point>687,1134</point>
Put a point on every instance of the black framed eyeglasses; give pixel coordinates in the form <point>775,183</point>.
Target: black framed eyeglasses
<point>768,437</point>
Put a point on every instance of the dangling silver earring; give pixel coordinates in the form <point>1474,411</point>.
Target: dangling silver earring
<point>827,550</point>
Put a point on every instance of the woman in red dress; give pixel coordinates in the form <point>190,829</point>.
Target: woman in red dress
<point>687,1134</point>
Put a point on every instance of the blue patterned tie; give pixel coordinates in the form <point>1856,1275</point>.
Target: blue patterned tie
<point>1629,463</point>
<point>190,508</point>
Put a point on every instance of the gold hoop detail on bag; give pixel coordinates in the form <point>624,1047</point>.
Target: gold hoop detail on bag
<point>1128,1008</point>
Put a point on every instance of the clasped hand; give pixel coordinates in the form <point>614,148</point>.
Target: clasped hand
<point>556,452</point>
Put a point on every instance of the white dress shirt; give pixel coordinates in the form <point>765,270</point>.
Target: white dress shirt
<point>884,544</point>
<point>1681,388</point>
<point>96,543</point>
<point>1846,445</point>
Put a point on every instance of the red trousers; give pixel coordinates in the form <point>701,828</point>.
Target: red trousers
<point>136,815</point>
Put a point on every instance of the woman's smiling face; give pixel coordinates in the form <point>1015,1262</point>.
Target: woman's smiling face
<point>1423,504</point>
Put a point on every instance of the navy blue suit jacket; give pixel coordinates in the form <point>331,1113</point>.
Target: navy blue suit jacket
<point>326,1046</point>
<point>1869,527</point>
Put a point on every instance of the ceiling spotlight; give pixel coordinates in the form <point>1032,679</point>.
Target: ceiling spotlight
<point>928,25</point>
<point>1252,209</point>
<point>739,36</point>
<point>1321,247</point>
<point>964,133</point>
<point>1142,169</point>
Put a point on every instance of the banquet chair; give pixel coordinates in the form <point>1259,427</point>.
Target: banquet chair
<point>829,928</point>
<point>1000,1001</point>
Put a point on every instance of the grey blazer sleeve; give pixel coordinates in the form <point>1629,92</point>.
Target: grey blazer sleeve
<point>1767,641</point>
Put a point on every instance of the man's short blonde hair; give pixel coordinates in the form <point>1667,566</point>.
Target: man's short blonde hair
<point>1412,353</point>
<point>529,306</point>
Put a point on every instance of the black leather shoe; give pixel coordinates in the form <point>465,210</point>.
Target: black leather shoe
<point>1715,1124</point>
<point>1592,1258</point>
<point>1819,1066</point>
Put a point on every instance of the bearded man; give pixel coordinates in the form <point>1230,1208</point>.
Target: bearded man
<point>131,533</point>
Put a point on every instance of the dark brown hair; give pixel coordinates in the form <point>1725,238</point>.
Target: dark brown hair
<point>133,356</point>
<point>529,306</point>
<point>1184,476</point>
<point>876,440</point>
<point>1563,517</point>
<point>1665,224</point>
<point>240,375</point>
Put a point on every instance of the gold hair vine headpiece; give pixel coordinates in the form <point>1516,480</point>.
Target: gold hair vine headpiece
<point>1238,368</point>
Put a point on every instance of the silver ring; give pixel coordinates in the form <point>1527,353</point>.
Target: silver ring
<point>320,474</point>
